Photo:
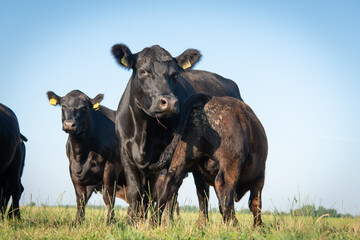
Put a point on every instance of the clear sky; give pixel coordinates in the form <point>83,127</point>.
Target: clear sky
<point>297,64</point>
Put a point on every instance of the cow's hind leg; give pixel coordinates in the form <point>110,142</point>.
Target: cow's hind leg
<point>15,206</point>
<point>4,198</point>
<point>255,199</point>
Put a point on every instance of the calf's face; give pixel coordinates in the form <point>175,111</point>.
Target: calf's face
<point>154,76</point>
<point>75,110</point>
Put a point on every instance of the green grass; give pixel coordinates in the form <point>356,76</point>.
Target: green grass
<point>58,223</point>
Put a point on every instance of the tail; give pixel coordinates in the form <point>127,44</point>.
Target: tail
<point>23,138</point>
<point>194,101</point>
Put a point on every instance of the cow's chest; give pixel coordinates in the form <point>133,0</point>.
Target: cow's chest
<point>145,147</point>
<point>89,170</point>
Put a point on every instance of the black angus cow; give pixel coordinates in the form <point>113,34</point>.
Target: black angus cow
<point>12,158</point>
<point>225,140</point>
<point>92,148</point>
<point>158,88</point>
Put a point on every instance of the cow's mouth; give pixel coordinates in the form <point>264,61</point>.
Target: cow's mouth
<point>138,104</point>
<point>75,132</point>
<point>159,114</point>
<point>156,113</point>
<point>69,131</point>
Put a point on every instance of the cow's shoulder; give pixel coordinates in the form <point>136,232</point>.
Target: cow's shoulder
<point>108,113</point>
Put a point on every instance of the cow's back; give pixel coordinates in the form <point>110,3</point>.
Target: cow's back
<point>212,84</point>
<point>9,136</point>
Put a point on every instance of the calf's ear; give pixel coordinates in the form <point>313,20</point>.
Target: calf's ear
<point>123,55</point>
<point>188,58</point>
<point>53,98</point>
<point>96,101</point>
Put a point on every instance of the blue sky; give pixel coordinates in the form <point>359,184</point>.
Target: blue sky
<point>296,64</point>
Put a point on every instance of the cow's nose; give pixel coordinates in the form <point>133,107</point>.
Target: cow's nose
<point>168,104</point>
<point>69,125</point>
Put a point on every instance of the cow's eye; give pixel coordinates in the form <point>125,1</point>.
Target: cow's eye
<point>176,75</point>
<point>142,71</point>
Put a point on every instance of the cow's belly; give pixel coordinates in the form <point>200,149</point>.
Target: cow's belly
<point>89,173</point>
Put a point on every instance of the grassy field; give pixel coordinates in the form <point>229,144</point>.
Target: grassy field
<point>57,223</point>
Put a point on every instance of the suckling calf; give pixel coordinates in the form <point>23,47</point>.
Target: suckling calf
<point>224,139</point>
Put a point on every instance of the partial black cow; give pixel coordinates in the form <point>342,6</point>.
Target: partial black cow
<point>225,140</point>
<point>92,148</point>
<point>12,157</point>
<point>148,111</point>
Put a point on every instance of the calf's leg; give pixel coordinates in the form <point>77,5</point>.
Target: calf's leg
<point>225,181</point>
<point>202,190</point>
<point>173,179</point>
<point>224,187</point>
<point>255,199</point>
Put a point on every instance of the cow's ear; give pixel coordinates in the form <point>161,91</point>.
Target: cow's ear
<point>96,101</point>
<point>53,98</point>
<point>188,58</point>
<point>123,55</point>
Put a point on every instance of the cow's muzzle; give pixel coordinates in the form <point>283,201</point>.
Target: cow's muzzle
<point>69,126</point>
<point>168,104</point>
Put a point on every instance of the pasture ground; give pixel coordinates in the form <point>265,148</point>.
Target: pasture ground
<point>58,223</point>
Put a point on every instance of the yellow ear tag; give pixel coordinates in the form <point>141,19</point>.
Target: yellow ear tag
<point>96,106</point>
<point>53,102</point>
<point>123,61</point>
<point>186,65</point>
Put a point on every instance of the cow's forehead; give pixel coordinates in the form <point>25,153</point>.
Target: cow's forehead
<point>153,65</point>
<point>75,99</point>
<point>155,53</point>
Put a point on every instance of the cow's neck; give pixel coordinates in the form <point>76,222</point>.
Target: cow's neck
<point>143,126</point>
<point>80,145</point>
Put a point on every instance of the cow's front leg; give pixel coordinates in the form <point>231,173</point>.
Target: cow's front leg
<point>133,191</point>
<point>146,198</point>
<point>81,200</point>
<point>109,190</point>
<point>15,207</point>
